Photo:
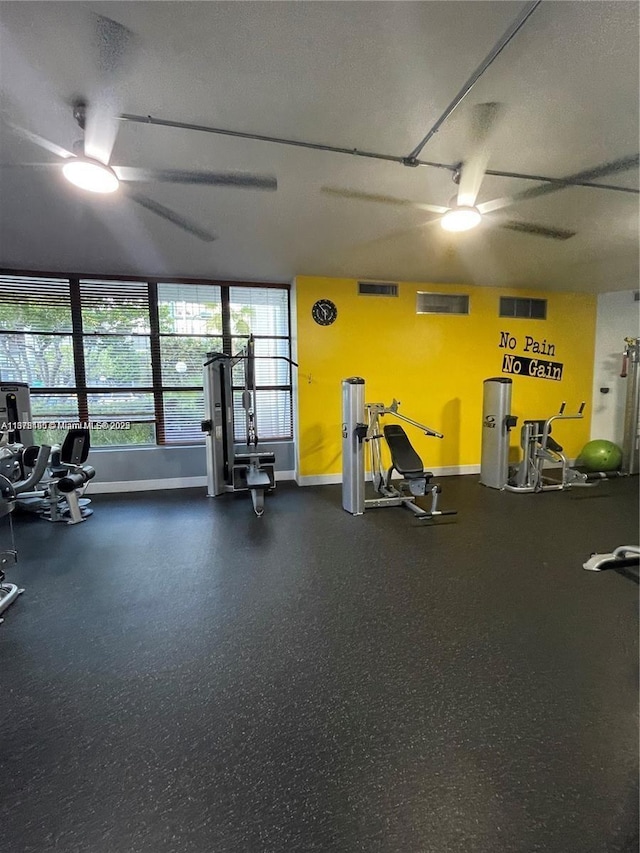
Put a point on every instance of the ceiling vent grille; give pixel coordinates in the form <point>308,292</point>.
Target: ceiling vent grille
<point>530,309</point>
<point>442,303</point>
<point>377,288</point>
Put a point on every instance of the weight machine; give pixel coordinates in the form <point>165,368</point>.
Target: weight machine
<point>56,494</point>
<point>228,470</point>
<point>9,492</point>
<point>538,447</point>
<point>630,361</point>
<point>356,433</point>
<point>625,555</point>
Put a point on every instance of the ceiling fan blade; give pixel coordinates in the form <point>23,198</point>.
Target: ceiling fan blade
<point>394,236</point>
<point>622,164</point>
<point>494,204</point>
<point>614,167</point>
<point>241,180</point>
<point>48,167</point>
<point>383,199</point>
<point>538,230</point>
<point>484,121</point>
<point>171,216</point>
<point>114,49</point>
<point>58,150</point>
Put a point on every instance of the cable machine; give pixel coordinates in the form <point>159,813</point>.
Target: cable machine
<point>228,470</point>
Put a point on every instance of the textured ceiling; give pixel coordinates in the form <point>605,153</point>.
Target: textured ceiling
<point>363,75</point>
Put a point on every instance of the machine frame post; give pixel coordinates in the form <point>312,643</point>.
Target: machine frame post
<point>631,359</point>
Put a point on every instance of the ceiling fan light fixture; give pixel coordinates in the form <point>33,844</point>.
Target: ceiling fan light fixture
<point>91,175</point>
<point>461,218</point>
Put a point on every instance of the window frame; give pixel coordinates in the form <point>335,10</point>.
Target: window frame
<point>82,391</point>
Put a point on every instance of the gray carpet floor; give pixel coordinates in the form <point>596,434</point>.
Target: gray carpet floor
<point>182,677</point>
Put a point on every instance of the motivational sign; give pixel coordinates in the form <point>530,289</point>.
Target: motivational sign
<point>527,365</point>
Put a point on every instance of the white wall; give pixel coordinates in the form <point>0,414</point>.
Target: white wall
<point>618,318</point>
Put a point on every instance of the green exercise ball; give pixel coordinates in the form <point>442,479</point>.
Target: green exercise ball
<point>600,455</point>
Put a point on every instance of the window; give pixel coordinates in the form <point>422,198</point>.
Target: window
<point>108,351</point>
<point>116,356</point>
<point>377,288</point>
<point>263,312</point>
<point>36,346</point>
<point>442,303</point>
<point>531,309</point>
<point>190,326</point>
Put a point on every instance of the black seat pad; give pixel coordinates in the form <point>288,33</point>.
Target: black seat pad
<point>75,448</point>
<point>552,444</point>
<point>404,458</point>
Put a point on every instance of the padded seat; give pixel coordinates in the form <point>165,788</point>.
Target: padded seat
<point>404,458</point>
<point>552,444</point>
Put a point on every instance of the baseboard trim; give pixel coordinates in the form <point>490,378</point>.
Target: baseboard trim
<point>97,487</point>
<point>334,479</point>
<point>318,479</point>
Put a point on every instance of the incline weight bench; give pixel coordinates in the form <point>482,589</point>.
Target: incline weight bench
<point>360,430</point>
<point>408,464</point>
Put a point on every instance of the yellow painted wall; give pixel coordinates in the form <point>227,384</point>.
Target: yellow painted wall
<point>435,365</point>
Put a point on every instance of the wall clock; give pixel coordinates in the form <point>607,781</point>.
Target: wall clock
<point>324,312</point>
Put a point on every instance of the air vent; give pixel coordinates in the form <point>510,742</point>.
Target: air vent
<point>636,296</point>
<point>442,303</point>
<point>530,309</point>
<point>377,288</point>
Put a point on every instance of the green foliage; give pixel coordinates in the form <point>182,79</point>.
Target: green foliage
<point>117,355</point>
<point>137,434</point>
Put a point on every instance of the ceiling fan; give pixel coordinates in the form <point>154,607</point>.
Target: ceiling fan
<point>462,212</point>
<point>88,165</point>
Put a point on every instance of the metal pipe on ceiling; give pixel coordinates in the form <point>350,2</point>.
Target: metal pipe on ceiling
<point>493,54</point>
<point>315,146</point>
<point>575,181</point>
<point>356,152</point>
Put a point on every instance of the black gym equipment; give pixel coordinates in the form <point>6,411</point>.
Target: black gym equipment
<point>56,494</point>
<point>9,492</point>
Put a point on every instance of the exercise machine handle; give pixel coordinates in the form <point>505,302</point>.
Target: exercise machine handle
<point>425,429</point>
<point>433,434</point>
<point>624,372</point>
<point>37,472</point>
<point>562,417</point>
